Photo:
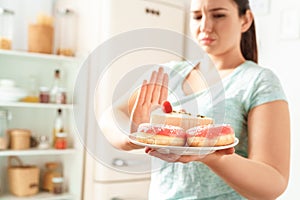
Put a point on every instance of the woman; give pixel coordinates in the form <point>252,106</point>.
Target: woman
<point>255,106</point>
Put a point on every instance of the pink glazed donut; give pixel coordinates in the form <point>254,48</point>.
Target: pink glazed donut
<point>210,135</point>
<point>160,134</point>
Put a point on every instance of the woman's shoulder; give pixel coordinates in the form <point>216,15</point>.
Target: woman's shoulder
<point>264,86</point>
<point>256,71</point>
<point>253,67</point>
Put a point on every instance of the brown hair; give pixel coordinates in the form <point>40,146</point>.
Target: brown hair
<point>248,41</point>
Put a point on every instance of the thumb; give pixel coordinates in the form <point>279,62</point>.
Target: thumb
<point>229,151</point>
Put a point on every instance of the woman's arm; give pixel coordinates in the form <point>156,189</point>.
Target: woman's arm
<point>114,124</point>
<point>265,173</point>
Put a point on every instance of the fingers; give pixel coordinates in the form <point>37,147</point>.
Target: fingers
<point>164,89</point>
<point>166,157</point>
<point>229,151</point>
<point>147,149</point>
<point>157,89</point>
<point>158,86</point>
<point>142,94</point>
<point>150,88</point>
<point>169,157</point>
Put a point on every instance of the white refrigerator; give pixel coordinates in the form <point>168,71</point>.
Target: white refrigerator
<point>111,173</point>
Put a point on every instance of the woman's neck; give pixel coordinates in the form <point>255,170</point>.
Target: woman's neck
<point>222,62</point>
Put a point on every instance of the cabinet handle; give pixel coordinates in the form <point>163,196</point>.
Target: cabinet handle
<point>116,198</point>
<point>152,11</point>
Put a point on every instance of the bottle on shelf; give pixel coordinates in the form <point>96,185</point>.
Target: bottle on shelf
<point>58,125</point>
<point>4,118</point>
<point>55,86</point>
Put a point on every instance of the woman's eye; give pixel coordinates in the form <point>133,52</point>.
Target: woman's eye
<point>218,15</point>
<point>197,17</point>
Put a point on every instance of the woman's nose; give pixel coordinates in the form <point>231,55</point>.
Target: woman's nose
<point>205,25</point>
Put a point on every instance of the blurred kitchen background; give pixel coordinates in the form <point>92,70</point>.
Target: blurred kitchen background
<point>43,45</point>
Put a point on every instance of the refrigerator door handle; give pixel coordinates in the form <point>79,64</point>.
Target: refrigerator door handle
<point>118,162</point>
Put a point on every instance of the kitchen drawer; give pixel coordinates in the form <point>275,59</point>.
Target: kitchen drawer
<point>137,190</point>
<point>122,173</point>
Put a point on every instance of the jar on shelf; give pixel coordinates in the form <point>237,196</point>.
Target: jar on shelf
<point>65,32</point>
<point>57,185</point>
<point>41,35</point>
<point>44,95</point>
<point>32,91</point>
<point>61,141</point>
<point>61,96</point>
<point>52,171</point>
<point>6,28</point>
<point>4,118</point>
<point>19,139</point>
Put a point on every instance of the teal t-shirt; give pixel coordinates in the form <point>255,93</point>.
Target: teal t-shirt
<point>227,101</point>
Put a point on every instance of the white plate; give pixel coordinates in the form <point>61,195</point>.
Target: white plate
<point>11,94</point>
<point>185,150</point>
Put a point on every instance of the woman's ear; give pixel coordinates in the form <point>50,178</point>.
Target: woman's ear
<point>247,20</point>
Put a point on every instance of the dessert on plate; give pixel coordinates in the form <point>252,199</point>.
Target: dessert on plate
<point>210,135</point>
<point>160,134</point>
<point>178,128</point>
<point>185,120</point>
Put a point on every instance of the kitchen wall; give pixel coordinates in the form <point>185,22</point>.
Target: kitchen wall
<point>280,52</point>
<point>278,31</point>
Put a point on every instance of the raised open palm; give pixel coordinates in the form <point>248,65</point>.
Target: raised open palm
<point>151,95</point>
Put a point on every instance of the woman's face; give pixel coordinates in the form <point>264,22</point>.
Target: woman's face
<point>216,25</point>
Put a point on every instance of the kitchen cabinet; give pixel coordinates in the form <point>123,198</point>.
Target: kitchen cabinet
<point>39,118</point>
<point>124,191</point>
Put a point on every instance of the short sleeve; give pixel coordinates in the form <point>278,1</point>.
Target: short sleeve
<point>266,88</point>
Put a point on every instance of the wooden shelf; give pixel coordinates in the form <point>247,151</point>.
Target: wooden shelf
<point>39,196</point>
<point>24,54</point>
<point>20,66</point>
<point>36,105</point>
<point>35,152</point>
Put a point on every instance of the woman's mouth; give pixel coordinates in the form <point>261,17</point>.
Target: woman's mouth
<point>206,41</point>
